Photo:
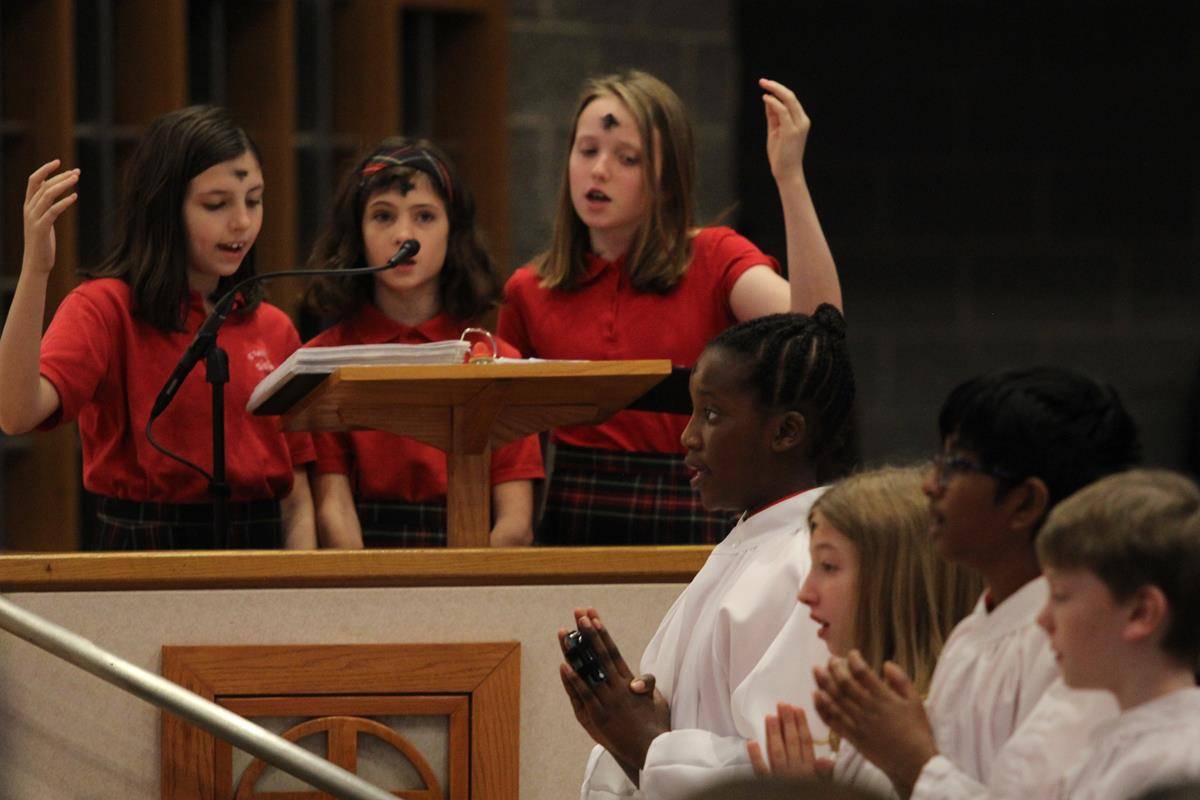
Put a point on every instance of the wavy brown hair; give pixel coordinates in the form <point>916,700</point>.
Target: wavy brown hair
<point>151,253</point>
<point>468,285</point>
<point>909,599</point>
<point>662,246</point>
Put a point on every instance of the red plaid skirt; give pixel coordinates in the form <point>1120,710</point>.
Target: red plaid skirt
<point>133,525</point>
<point>608,497</point>
<point>386,524</point>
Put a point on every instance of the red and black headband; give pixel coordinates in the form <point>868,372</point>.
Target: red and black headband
<point>413,158</point>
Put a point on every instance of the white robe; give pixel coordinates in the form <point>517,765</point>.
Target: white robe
<point>1151,745</point>
<point>735,643</point>
<point>1031,763</point>
<point>853,769</point>
<point>993,670</point>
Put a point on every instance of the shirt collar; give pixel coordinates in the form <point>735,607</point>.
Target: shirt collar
<point>595,266</point>
<point>791,512</point>
<point>372,325</point>
<point>194,304</point>
<point>1018,610</point>
<point>1182,705</point>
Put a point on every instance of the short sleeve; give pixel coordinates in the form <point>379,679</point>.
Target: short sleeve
<point>300,447</point>
<point>332,453</point>
<point>731,255</point>
<point>286,340</point>
<point>77,351</point>
<point>518,461</point>
<point>511,325</point>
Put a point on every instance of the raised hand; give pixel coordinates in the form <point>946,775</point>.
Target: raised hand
<point>787,130</point>
<point>44,202</point>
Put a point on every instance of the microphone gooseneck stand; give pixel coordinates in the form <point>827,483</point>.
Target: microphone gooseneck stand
<point>216,371</point>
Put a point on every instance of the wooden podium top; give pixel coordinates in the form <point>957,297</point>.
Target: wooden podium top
<point>517,398</point>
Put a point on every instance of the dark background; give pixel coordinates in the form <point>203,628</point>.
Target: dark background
<point>1002,184</point>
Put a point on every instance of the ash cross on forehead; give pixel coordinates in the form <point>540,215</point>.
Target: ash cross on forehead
<point>406,184</point>
<point>608,122</point>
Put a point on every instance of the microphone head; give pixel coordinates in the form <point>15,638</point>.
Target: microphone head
<point>408,249</point>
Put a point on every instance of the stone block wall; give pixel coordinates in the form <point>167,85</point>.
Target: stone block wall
<point>556,44</point>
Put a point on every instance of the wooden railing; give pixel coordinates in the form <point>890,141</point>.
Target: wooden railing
<point>327,568</point>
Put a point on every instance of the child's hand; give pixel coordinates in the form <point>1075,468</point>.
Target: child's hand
<point>886,721</point>
<point>43,205</point>
<point>787,130</point>
<point>617,717</point>
<point>789,747</point>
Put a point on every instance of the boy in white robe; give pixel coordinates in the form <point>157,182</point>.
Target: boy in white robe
<point>770,397</point>
<point>1015,443</point>
<point>1123,561</point>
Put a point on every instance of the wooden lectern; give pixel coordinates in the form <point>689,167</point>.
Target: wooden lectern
<point>466,409</point>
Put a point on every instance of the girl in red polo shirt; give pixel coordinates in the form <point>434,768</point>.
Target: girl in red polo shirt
<point>377,488</point>
<point>191,211</point>
<point>628,276</point>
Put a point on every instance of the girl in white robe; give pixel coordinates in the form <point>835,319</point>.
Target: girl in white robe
<point>771,397</point>
<point>877,586</point>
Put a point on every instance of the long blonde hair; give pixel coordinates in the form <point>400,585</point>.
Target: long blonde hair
<point>661,248</point>
<point>909,599</point>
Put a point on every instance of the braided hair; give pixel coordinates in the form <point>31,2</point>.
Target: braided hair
<point>798,362</point>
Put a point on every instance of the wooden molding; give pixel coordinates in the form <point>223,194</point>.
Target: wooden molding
<point>348,568</point>
<point>332,679</point>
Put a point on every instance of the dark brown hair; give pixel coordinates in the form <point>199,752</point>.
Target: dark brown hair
<point>151,253</point>
<point>468,285</point>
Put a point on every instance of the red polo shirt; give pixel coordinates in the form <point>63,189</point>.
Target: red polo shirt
<point>108,368</point>
<point>606,318</point>
<point>383,466</point>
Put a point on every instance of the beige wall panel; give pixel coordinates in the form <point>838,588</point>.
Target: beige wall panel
<point>67,734</point>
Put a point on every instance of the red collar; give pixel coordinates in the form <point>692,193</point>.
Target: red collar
<point>760,509</point>
<point>595,266</point>
<point>194,304</point>
<point>372,325</point>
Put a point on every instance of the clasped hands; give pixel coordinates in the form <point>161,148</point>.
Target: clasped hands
<point>883,717</point>
<point>623,713</point>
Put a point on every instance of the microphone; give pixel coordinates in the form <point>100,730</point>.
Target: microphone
<point>206,337</point>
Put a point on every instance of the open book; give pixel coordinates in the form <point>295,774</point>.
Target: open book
<point>308,366</point>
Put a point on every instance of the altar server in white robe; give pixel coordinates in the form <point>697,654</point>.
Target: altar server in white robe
<point>877,585</point>
<point>771,398</point>
<point>1015,443</point>
<point>1123,561</point>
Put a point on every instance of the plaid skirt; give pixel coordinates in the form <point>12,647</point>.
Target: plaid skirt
<point>390,524</point>
<point>133,525</point>
<point>607,497</point>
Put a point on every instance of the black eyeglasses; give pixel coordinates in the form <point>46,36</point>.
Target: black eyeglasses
<point>946,466</point>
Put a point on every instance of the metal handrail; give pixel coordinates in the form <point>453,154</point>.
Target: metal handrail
<point>169,696</point>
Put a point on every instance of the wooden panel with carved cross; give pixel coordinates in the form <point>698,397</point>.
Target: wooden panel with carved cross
<point>341,698</point>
